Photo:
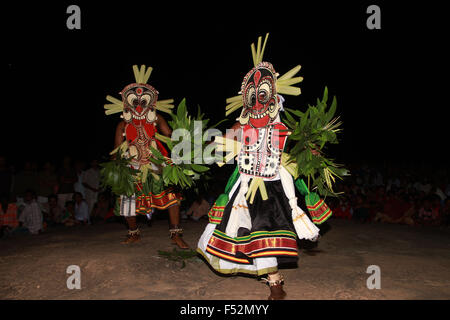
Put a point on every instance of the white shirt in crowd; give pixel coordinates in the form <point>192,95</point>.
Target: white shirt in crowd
<point>441,194</point>
<point>378,179</point>
<point>78,186</point>
<point>92,178</point>
<point>81,211</point>
<point>31,217</point>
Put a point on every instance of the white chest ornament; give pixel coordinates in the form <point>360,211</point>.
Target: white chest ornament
<point>260,154</point>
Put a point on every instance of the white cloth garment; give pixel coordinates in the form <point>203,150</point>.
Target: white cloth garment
<point>63,198</point>
<point>259,267</point>
<point>91,177</point>
<point>78,186</point>
<point>82,211</point>
<point>303,226</point>
<point>280,103</point>
<point>239,216</point>
<point>128,206</point>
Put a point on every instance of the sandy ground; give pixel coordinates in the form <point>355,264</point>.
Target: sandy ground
<point>414,264</point>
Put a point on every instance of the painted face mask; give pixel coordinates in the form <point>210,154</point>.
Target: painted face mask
<point>139,114</point>
<point>259,94</point>
<point>139,102</point>
<point>138,107</point>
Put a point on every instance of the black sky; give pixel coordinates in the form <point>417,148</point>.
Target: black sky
<point>387,82</point>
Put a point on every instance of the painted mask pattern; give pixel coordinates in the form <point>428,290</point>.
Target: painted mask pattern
<point>262,139</point>
<point>260,105</point>
<point>139,114</point>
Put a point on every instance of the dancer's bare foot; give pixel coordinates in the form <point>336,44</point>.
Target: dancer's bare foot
<point>176,234</point>
<point>132,237</point>
<point>275,281</point>
<point>277,292</point>
<point>178,240</point>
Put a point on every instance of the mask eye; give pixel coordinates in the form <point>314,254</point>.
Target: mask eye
<point>145,100</point>
<point>250,96</point>
<point>264,92</point>
<point>132,100</point>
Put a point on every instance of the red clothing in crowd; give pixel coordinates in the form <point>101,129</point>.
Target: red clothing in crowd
<point>342,212</point>
<point>109,214</point>
<point>395,208</point>
<point>9,218</point>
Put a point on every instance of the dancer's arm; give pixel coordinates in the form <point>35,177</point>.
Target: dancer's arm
<point>119,137</point>
<point>232,132</point>
<point>163,127</point>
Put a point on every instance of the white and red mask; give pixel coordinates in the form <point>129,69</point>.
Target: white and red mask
<point>260,101</point>
<point>139,115</point>
<point>139,103</point>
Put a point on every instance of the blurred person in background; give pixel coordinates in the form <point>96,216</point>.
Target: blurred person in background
<point>81,209</point>
<point>67,177</point>
<point>30,214</point>
<point>6,177</point>
<point>445,212</point>
<point>78,185</point>
<point>68,217</point>
<point>47,181</point>
<point>101,208</point>
<point>53,212</point>
<point>427,215</point>
<point>25,179</point>
<point>91,183</point>
<point>361,209</point>
<point>199,208</point>
<point>8,215</point>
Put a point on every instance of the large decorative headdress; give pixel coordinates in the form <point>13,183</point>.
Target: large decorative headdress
<point>260,88</point>
<point>139,99</point>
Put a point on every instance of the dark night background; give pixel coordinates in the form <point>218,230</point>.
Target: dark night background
<point>386,81</point>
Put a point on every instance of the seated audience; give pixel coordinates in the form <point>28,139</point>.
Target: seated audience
<point>199,208</point>
<point>68,217</point>
<point>52,211</point>
<point>361,209</point>
<point>30,214</point>
<point>445,212</point>
<point>101,208</point>
<point>81,209</point>
<point>8,216</point>
<point>428,215</point>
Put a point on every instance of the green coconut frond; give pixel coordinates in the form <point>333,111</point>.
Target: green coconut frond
<point>187,173</point>
<point>118,175</point>
<point>313,130</point>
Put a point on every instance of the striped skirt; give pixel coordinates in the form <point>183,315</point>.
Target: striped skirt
<point>259,245</point>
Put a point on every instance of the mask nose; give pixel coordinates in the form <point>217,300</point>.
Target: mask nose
<point>139,109</point>
<point>258,106</point>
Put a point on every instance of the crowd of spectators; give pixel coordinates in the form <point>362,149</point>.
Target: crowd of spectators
<point>394,194</point>
<point>33,197</point>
